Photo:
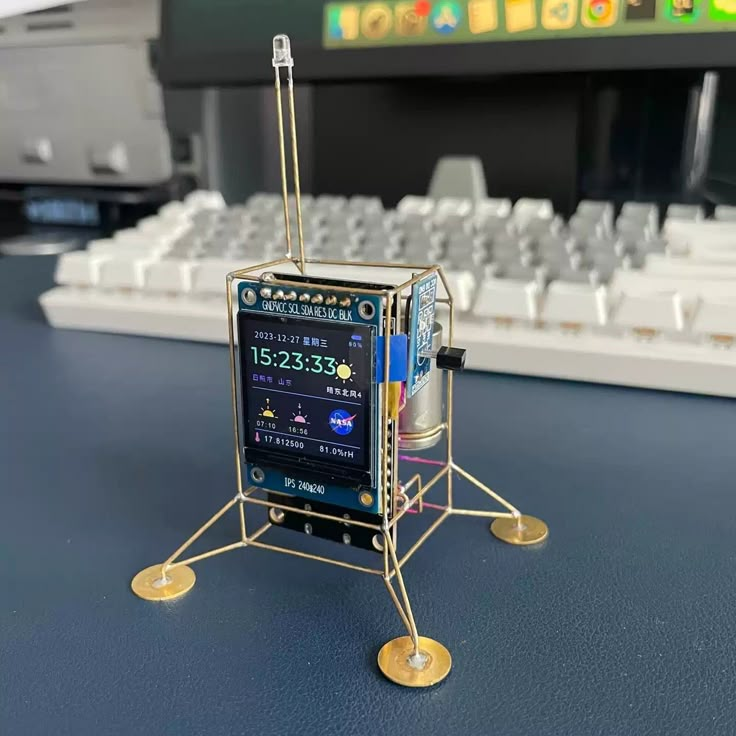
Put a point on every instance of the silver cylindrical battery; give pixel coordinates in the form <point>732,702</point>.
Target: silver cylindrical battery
<point>421,420</point>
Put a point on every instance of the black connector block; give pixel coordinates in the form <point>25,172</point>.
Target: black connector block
<point>451,359</point>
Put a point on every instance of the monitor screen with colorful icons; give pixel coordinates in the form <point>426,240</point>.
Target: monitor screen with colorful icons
<point>423,22</point>
<point>225,42</point>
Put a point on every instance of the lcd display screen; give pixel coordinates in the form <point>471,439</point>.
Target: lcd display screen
<point>306,388</point>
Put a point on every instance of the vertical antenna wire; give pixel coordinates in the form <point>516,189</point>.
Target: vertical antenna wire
<point>279,51</point>
<point>282,58</point>
<point>295,164</point>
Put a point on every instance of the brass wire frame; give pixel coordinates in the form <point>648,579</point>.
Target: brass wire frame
<point>388,522</point>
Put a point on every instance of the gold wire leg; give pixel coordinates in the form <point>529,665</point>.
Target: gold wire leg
<point>512,526</point>
<point>172,579</point>
<point>411,661</point>
<point>405,612</point>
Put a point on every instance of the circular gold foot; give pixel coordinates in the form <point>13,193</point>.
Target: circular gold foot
<point>524,530</point>
<point>150,585</point>
<point>397,661</point>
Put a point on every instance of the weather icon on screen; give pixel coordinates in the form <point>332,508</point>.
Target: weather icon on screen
<point>269,411</point>
<point>345,372</point>
<point>299,418</point>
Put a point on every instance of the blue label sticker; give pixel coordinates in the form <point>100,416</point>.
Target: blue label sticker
<point>397,358</point>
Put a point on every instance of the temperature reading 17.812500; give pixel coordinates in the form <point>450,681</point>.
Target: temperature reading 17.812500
<point>294,360</point>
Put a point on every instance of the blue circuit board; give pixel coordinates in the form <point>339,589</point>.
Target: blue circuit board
<point>421,324</point>
<point>290,334</point>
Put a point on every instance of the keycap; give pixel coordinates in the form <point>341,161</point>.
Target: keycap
<point>603,244</point>
<point>462,286</point>
<point>156,225</point>
<point>725,213</point>
<point>689,288</point>
<point>206,218</point>
<point>650,245</point>
<point>585,275</point>
<point>416,205</point>
<point>505,299</point>
<point>518,271</point>
<point>632,259</point>
<point>537,227</point>
<point>508,259</point>
<point>244,248</point>
<point>493,207</point>
<point>574,305</point>
<point>556,247</point>
<point>526,209</point>
<point>659,264</point>
<point>452,206</point>
<point>374,221</point>
<point>584,229</point>
<point>106,246</point>
<point>455,224</point>
<point>691,212</point>
<point>632,231</point>
<point>208,275</point>
<point>458,176</point>
<point>604,263</point>
<point>377,275</point>
<point>205,199</point>
<point>376,251</point>
<point>622,246</point>
<point>329,202</point>
<point>687,236</point>
<point>132,238</point>
<point>365,205</point>
<point>422,251</point>
<point>124,272</point>
<point>505,245</point>
<point>492,225</point>
<point>600,211</point>
<point>464,251</point>
<point>411,222</point>
<point>307,201</point>
<point>172,275</point>
<point>173,211</point>
<point>715,319</point>
<point>577,260</point>
<point>716,255</point>
<point>333,249</point>
<point>79,268</point>
<point>644,212</point>
<point>648,314</point>
<point>264,201</point>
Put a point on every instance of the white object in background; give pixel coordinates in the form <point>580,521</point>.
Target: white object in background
<point>670,324</point>
<point>16,7</point>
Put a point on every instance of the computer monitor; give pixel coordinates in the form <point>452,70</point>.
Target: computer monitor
<point>624,118</point>
<point>222,42</point>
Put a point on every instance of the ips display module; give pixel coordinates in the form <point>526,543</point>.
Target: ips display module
<point>306,390</point>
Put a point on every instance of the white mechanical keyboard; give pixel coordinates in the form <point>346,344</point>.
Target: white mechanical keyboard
<point>603,297</point>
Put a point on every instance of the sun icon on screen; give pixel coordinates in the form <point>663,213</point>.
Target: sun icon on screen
<point>268,411</point>
<point>345,372</point>
<point>299,418</point>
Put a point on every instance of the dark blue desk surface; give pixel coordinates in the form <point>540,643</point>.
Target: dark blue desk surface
<point>114,449</point>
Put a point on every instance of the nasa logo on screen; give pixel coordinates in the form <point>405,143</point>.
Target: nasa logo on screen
<point>342,422</point>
